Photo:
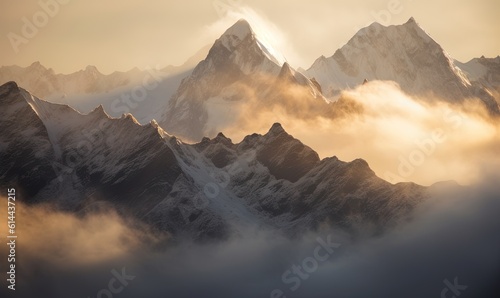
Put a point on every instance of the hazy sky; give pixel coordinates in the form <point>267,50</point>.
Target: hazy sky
<point>118,35</point>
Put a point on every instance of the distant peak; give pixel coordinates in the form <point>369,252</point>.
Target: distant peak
<point>37,65</point>
<point>221,136</point>
<point>376,30</point>
<point>236,34</point>
<point>243,22</point>
<point>276,129</point>
<point>8,87</point>
<point>240,29</point>
<point>412,23</point>
<point>100,111</point>
<point>411,20</point>
<point>241,32</point>
<point>129,117</point>
<point>91,68</point>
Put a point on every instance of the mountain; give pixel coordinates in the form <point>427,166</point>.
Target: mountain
<point>484,72</point>
<point>207,190</point>
<point>239,68</point>
<point>405,54</point>
<point>46,83</point>
<point>241,72</point>
<point>26,150</point>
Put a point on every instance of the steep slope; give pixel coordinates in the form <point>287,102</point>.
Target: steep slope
<point>405,54</point>
<point>239,68</point>
<point>26,151</point>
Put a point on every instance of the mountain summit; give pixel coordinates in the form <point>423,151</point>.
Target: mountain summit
<point>403,53</point>
<point>240,67</point>
<point>241,30</point>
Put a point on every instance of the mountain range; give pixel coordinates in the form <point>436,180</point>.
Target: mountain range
<point>148,142</point>
<point>200,98</point>
<point>206,190</point>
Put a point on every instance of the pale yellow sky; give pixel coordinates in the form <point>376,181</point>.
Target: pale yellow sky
<point>119,35</point>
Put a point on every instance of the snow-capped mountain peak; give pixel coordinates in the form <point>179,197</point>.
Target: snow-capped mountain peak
<point>405,54</point>
<point>242,30</point>
<point>236,33</point>
<point>239,61</point>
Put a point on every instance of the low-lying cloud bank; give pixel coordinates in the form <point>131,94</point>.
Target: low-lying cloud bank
<point>452,239</point>
<point>403,137</point>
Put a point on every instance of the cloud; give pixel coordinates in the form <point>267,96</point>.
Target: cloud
<point>65,238</point>
<point>452,236</point>
<point>403,138</point>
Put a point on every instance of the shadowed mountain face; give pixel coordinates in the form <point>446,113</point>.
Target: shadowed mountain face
<point>26,151</point>
<point>206,190</point>
<point>76,156</point>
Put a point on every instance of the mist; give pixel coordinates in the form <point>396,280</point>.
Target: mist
<point>402,137</point>
<point>452,237</point>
